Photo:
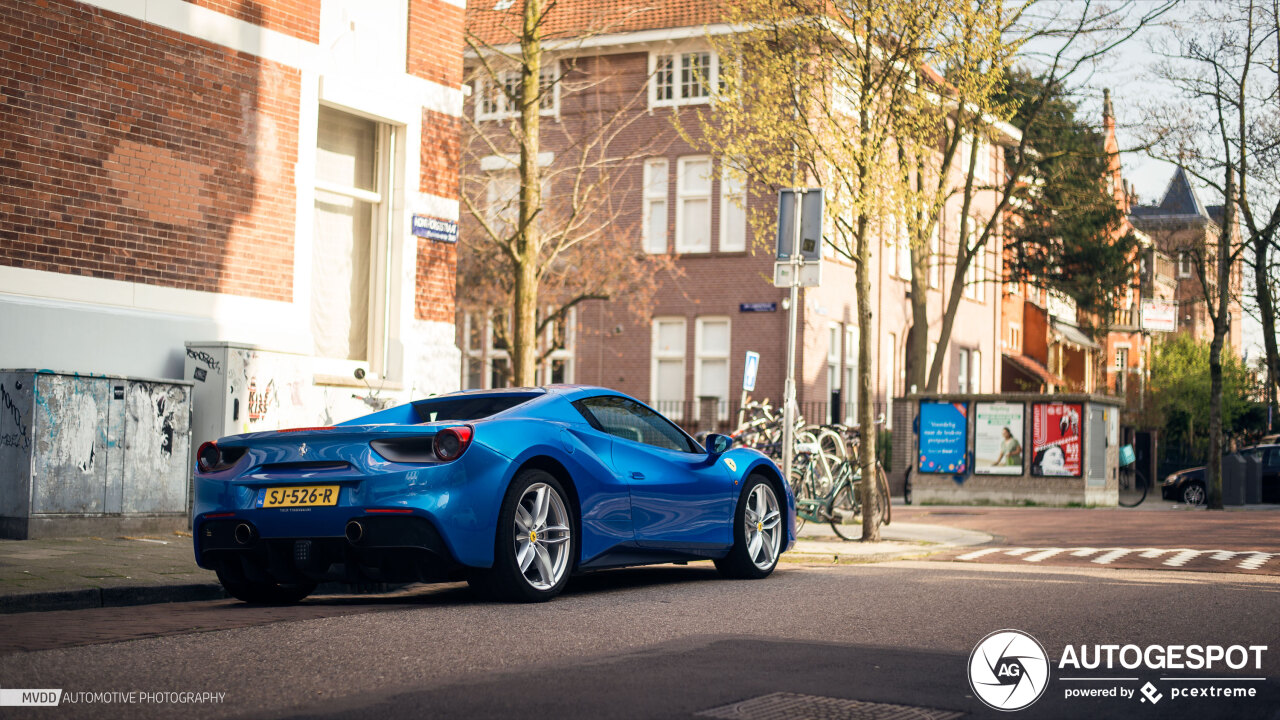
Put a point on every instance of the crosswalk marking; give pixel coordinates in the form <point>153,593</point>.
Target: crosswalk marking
<point>1044,554</point>
<point>978,553</point>
<point>1111,556</point>
<point>1172,557</point>
<point>1256,561</point>
<point>1183,557</point>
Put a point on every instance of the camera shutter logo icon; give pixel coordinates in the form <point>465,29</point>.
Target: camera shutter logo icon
<point>1008,670</point>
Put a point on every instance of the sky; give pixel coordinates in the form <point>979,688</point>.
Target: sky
<point>1129,72</point>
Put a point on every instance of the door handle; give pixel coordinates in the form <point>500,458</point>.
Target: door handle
<point>637,476</point>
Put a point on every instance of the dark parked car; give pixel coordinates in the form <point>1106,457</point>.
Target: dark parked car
<point>1188,486</point>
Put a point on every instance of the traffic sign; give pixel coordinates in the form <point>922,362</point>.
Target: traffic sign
<point>810,236</point>
<point>749,372</point>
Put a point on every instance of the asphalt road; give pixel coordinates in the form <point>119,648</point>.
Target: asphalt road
<point>652,642</point>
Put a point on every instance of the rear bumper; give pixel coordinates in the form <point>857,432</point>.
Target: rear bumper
<point>392,548</point>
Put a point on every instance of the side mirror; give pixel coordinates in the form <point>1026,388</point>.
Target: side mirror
<point>718,444</point>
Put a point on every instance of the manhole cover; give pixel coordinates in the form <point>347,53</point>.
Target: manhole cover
<point>792,706</point>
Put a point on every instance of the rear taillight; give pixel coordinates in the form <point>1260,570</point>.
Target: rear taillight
<point>208,457</point>
<point>451,442</point>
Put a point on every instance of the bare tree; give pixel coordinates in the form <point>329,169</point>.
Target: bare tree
<point>1220,127</point>
<point>1060,42</point>
<point>549,235</point>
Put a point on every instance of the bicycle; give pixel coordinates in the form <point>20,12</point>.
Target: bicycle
<point>842,499</point>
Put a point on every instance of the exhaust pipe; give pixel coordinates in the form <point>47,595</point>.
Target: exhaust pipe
<point>355,531</point>
<point>244,533</point>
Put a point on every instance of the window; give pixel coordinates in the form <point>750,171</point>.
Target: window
<point>711,372</point>
<point>962,372</point>
<point>975,375</point>
<point>1015,337</point>
<point>500,96</point>
<point>351,189</point>
<point>833,358</point>
<point>560,340</point>
<point>1184,264</point>
<point>487,359</point>
<point>904,249</point>
<point>1122,369</point>
<point>935,253</point>
<point>655,205</point>
<point>733,210</point>
<point>693,204</point>
<point>502,201</point>
<point>683,78</point>
<point>850,396</point>
<point>629,420</point>
<point>667,374</point>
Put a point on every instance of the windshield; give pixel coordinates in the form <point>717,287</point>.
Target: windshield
<point>469,407</point>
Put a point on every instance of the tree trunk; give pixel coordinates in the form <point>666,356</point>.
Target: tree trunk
<point>1267,309</point>
<point>524,336</point>
<point>866,409</point>
<point>1221,319</point>
<point>918,338</point>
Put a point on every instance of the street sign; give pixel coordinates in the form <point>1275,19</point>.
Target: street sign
<point>1159,316</point>
<point>786,273</point>
<point>749,372</point>
<point>758,307</point>
<point>810,223</point>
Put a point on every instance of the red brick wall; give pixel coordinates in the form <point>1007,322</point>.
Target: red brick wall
<point>435,41</point>
<point>440,155</point>
<point>299,18</point>
<point>437,266</point>
<point>135,153</point>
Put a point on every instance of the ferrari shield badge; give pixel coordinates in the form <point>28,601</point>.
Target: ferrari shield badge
<point>732,465</point>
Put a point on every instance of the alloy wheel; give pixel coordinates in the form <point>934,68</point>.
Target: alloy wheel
<point>542,536</point>
<point>763,526</point>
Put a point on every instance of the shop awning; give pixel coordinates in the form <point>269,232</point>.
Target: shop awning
<point>1073,336</point>
<point>1033,369</point>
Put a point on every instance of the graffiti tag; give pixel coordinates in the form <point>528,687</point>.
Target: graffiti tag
<point>204,357</point>
<point>21,438</point>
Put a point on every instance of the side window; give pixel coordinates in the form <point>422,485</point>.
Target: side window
<point>630,420</point>
<point>1272,461</point>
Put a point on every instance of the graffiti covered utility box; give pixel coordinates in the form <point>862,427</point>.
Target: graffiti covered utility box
<point>87,454</point>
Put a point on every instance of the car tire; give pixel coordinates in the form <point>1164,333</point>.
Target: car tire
<point>749,522</point>
<point>260,593</point>
<point>1192,494</point>
<point>532,567</point>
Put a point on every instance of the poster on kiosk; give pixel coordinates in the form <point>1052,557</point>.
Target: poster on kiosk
<point>1055,442</point>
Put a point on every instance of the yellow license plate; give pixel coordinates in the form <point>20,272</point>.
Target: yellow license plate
<point>300,496</point>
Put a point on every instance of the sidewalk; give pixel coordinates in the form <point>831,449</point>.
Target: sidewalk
<point>78,573</point>
<point>817,543</point>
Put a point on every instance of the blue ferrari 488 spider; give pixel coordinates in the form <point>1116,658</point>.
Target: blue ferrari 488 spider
<point>514,490</point>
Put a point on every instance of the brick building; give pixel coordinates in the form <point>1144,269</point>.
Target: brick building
<point>1180,226</point>
<point>230,170</point>
<point>688,349</point>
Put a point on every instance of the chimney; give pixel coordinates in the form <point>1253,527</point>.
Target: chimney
<point>1108,116</point>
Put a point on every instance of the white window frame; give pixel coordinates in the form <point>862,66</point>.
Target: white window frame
<point>679,60</point>
<point>549,72</point>
<point>683,195</point>
<point>652,166</point>
<point>850,398</point>
<point>975,370</point>
<point>732,202</point>
<point>565,354</point>
<point>834,336</point>
<point>701,355</point>
<point>1184,264</point>
<point>382,200</point>
<point>935,257</point>
<point>962,372</point>
<point>1015,336</point>
<point>655,355</point>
